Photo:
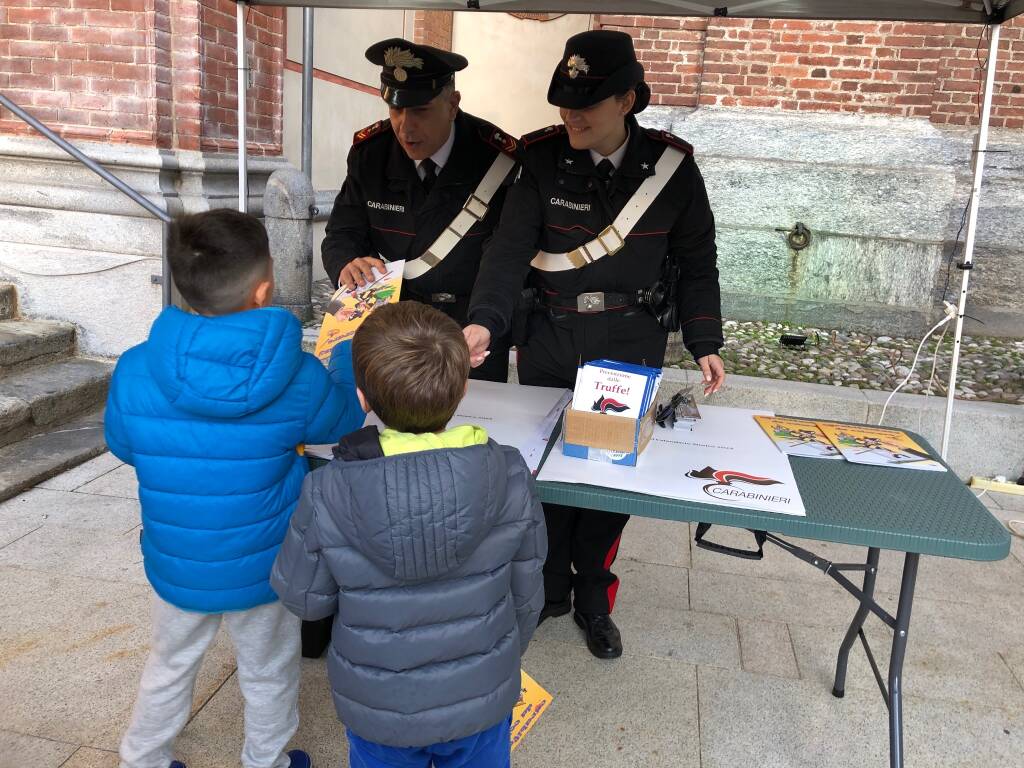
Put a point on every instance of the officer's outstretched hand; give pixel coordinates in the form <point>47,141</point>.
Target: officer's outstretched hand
<point>360,271</point>
<point>714,373</point>
<point>479,339</point>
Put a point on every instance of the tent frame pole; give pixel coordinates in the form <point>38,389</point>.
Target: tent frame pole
<point>242,72</point>
<point>980,148</point>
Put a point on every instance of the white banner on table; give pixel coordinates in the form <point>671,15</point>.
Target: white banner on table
<point>726,459</point>
<point>516,415</point>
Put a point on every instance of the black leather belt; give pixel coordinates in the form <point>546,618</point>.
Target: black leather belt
<point>432,298</point>
<point>588,303</point>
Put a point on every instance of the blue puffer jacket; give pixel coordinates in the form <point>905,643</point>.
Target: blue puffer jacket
<point>210,411</point>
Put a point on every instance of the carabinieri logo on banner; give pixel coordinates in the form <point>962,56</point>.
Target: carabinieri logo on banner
<point>723,488</point>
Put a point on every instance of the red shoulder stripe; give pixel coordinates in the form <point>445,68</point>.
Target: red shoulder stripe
<point>498,139</point>
<point>381,126</point>
<point>543,133</point>
<point>671,139</point>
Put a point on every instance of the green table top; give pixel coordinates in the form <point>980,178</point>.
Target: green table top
<point>930,513</point>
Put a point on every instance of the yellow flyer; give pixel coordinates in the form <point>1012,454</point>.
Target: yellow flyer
<point>798,437</point>
<point>879,447</point>
<point>347,309</point>
<point>533,702</point>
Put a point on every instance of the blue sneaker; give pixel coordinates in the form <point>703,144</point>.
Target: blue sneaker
<point>299,759</point>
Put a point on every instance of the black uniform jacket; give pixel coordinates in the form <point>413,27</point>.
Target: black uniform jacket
<point>558,203</point>
<point>382,208</point>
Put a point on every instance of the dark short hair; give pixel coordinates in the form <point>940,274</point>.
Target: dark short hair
<point>411,362</point>
<point>217,257</point>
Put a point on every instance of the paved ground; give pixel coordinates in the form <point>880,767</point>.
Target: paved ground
<point>727,662</point>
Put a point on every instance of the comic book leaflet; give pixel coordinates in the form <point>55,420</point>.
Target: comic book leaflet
<point>879,447</point>
<point>798,437</point>
<point>347,309</point>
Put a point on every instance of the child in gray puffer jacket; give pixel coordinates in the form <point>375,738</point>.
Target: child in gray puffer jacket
<point>427,545</point>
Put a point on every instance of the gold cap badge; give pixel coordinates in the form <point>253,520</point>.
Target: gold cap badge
<point>401,59</point>
<point>577,64</point>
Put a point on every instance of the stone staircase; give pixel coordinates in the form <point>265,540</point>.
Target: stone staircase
<point>51,401</point>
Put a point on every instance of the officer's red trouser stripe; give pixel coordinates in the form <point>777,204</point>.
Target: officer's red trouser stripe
<point>613,588</point>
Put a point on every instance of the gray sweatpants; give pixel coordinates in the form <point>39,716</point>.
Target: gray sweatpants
<point>266,641</point>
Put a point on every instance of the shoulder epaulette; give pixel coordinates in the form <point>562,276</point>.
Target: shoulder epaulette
<point>671,139</point>
<point>381,126</point>
<point>544,133</point>
<point>498,139</point>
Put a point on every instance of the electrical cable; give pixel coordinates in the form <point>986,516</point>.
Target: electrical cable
<point>950,315</point>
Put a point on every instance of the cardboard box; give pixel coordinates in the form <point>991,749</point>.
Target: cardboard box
<point>604,437</point>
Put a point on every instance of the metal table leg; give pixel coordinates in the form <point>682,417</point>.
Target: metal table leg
<point>838,689</point>
<point>899,649</point>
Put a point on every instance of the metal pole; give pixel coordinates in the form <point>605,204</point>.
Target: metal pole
<point>981,144</point>
<point>307,92</point>
<point>243,82</point>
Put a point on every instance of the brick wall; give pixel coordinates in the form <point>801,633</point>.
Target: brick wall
<point>903,69</point>
<point>433,28</point>
<point>151,72</point>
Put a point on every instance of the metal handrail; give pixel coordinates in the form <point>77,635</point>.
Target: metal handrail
<point>107,176</point>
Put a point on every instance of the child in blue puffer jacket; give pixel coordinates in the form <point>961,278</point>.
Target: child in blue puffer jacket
<point>210,412</point>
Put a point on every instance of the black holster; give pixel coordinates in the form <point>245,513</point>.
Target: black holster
<point>662,298</point>
<point>526,302</point>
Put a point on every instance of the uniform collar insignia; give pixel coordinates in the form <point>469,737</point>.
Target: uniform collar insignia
<point>401,59</point>
<point>576,64</point>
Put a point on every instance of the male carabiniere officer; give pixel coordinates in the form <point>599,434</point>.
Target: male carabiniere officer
<point>426,185</point>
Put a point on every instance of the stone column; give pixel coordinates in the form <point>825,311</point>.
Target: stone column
<point>286,210</point>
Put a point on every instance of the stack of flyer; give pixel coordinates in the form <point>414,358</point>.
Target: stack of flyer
<point>611,418</point>
<point>620,389</point>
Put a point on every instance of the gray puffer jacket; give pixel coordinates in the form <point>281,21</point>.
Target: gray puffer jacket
<point>432,563</point>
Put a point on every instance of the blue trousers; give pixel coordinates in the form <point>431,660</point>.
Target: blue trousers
<point>487,749</point>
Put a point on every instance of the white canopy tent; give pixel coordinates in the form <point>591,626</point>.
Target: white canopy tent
<point>989,12</point>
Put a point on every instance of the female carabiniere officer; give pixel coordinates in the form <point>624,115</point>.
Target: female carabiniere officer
<point>609,225</point>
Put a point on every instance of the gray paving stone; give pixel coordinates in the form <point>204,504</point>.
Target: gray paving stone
<point>62,549</point>
<point>662,542</point>
<point>651,612</point>
<point>121,482</point>
<point>75,510</point>
<point>766,648</point>
<point>71,653</point>
<point>1011,502</point>
<point>790,723</point>
<point>83,473</point>
<point>8,301</point>
<point>87,757</point>
<point>213,737</point>
<point>16,749</point>
<point>960,673</point>
<point>634,711</point>
<point>822,604</point>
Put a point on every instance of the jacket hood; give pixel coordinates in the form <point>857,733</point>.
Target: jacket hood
<point>427,512</point>
<point>225,366</point>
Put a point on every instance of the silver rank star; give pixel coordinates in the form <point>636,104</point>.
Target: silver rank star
<point>568,162</point>
<point>645,166</point>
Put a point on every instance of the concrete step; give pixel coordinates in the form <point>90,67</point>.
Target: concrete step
<point>28,462</point>
<point>41,397</point>
<point>29,342</point>
<point>8,301</point>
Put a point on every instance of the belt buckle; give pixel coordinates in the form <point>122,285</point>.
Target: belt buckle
<point>475,207</point>
<point>442,298</point>
<point>612,235</point>
<point>588,303</point>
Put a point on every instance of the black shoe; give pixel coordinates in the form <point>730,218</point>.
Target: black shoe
<point>553,609</point>
<point>603,637</point>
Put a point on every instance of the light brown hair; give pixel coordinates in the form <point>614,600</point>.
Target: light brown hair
<point>411,363</point>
